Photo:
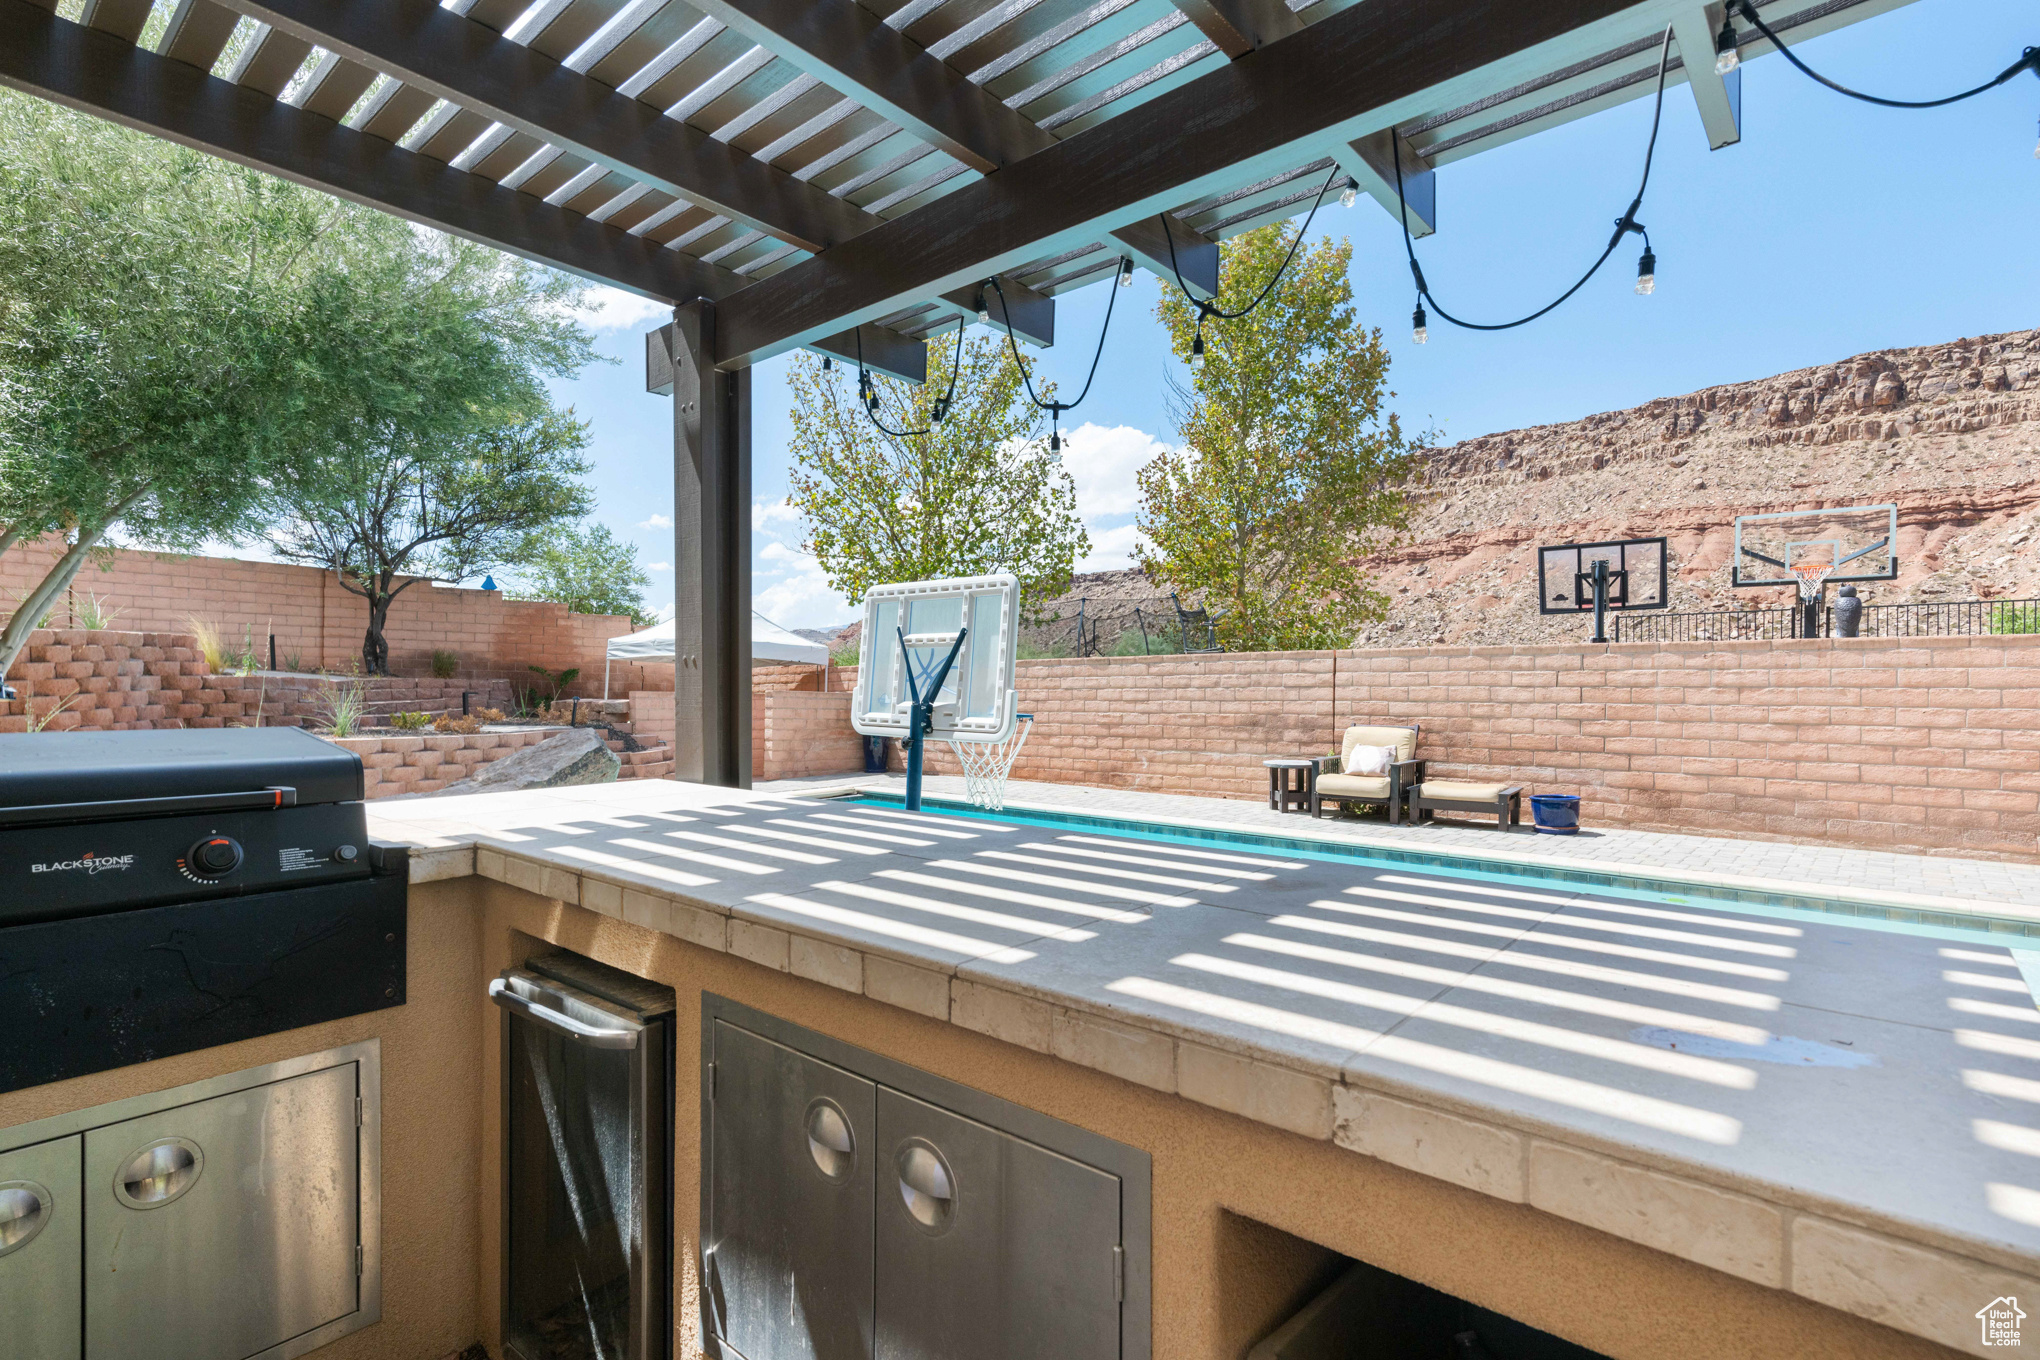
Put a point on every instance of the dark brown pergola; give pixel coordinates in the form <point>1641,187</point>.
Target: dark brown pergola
<point>843,176</point>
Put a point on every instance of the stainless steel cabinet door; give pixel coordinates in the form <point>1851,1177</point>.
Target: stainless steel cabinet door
<point>790,1202</point>
<point>42,1231</point>
<point>990,1248</point>
<point>216,1230</point>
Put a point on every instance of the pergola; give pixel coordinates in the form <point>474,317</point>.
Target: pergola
<point>843,176</point>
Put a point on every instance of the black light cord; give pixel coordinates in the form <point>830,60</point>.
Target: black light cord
<point>1054,408</point>
<point>1206,307</point>
<point>2030,61</point>
<point>1623,224</point>
<point>867,395</point>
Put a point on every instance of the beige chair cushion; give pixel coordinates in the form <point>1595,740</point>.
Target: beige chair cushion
<point>1353,785</point>
<point>1403,739</point>
<point>1453,788</point>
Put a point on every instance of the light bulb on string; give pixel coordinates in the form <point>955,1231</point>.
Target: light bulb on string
<point>1126,273</point>
<point>1420,331</point>
<point>1646,273</point>
<point>984,310</point>
<point>1349,195</point>
<point>827,363</point>
<point>2036,153</point>
<point>1197,344</point>
<point>1727,55</point>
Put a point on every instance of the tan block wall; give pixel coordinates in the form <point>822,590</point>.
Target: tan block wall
<point>314,616</point>
<point>797,733</point>
<point>68,679</point>
<point>428,762</point>
<point>1927,744</point>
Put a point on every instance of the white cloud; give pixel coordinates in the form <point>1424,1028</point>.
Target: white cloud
<point>792,558</point>
<point>767,513</point>
<point>656,522</point>
<point>612,309</point>
<point>1102,461</point>
<point>1111,549</point>
<point>658,566</point>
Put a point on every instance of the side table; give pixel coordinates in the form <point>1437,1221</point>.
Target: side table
<point>1289,784</point>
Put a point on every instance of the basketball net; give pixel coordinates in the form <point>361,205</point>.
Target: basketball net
<point>1812,576</point>
<point>987,763</point>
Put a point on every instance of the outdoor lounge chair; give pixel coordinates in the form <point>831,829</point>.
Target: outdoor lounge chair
<point>1330,784</point>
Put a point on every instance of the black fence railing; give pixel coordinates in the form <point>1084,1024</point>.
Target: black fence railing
<point>1950,618</point>
<point>1156,625</point>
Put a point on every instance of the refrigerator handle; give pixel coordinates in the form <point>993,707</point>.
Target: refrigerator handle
<point>594,1037</point>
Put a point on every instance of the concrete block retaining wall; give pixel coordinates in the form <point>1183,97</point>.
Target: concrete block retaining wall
<point>428,763</point>
<point>1929,744</point>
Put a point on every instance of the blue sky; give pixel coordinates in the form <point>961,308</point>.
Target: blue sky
<point>1833,228</point>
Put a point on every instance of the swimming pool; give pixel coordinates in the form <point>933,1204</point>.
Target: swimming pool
<point>1501,867</point>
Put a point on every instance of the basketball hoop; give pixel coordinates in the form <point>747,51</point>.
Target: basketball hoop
<point>1812,576</point>
<point>987,763</point>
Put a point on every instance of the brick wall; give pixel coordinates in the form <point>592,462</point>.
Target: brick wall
<point>1928,744</point>
<point>317,619</point>
<point>427,764</point>
<point>72,678</point>
<point>797,733</point>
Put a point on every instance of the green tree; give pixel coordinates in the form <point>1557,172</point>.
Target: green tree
<point>391,510</point>
<point>153,346</point>
<point>979,492</point>
<point>589,570</point>
<point>1291,471</point>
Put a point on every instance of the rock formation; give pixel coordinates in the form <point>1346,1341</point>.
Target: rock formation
<point>1949,433</point>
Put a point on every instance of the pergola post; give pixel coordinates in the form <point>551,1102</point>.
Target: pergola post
<point>711,555</point>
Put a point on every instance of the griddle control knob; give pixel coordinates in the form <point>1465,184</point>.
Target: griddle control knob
<point>214,857</point>
<point>346,854</point>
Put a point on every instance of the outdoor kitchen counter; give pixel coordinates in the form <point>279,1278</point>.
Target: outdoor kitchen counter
<point>1833,1106</point>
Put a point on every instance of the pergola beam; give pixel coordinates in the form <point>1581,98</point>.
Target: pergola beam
<point>444,54</point>
<point>1358,71</point>
<point>100,74</point>
<point>1719,98</point>
<point>1237,27</point>
<point>1371,163</point>
<point>853,51</point>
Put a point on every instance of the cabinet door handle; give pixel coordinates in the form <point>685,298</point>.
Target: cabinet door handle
<point>927,1186</point>
<point>24,1210</point>
<point>548,1018</point>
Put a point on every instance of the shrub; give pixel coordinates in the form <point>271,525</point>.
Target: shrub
<point>295,661</point>
<point>492,715</point>
<point>2013,618</point>
<point>205,635</point>
<point>342,705</point>
<point>94,613</point>
<point>458,726</point>
<point>445,664</point>
<point>555,681</point>
<point>410,722</point>
<point>845,657</point>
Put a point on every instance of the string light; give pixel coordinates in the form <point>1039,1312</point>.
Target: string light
<point>1420,330</point>
<point>984,312</point>
<point>2029,60</point>
<point>827,363</point>
<point>1727,55</point>
<point>1207,307</point>
<point>1646,276</point>
<point>1349,195</point>
<point>867,391</point>
<point>1126,273</point>
<point>1056,408</point>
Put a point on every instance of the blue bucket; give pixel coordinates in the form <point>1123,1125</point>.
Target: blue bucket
<point>1556,814</point>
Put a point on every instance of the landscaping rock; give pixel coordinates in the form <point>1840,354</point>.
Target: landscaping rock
<point>575,757</point>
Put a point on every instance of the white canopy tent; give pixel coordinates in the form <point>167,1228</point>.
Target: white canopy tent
<point>769,642</point>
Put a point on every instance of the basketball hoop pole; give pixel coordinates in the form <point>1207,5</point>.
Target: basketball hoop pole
<point>1600,599</point>
<point>921,718</point>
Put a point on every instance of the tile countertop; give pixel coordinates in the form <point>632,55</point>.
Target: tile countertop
<point>1843,1106</point>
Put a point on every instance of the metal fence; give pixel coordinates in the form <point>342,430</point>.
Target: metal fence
<point>1951,618</point>
<point>1157,625</point>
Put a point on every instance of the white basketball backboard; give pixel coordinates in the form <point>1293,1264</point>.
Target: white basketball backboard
<point>977,701</point>
<point>1810,548</point>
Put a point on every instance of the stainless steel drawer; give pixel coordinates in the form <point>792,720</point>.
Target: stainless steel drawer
<point>42,1230</point>
<point>222,1228</point>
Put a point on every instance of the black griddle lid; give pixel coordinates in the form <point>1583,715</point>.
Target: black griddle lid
<point>86,767</point>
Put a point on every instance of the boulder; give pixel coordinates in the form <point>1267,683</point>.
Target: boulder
<point>578,756</point>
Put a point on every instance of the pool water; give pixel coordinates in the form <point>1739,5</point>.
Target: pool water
<point>1981,925</point>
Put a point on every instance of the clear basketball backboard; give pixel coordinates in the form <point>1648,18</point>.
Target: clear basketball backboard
<point>1637,576</point>
<point>977,701</point>
<point>1809,548</point>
